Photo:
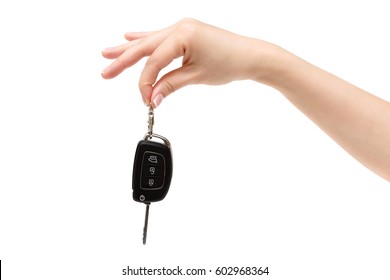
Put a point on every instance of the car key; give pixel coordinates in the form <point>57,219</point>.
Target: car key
<point>152,170</point>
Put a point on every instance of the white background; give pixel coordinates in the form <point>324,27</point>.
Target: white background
<point>255,182</point>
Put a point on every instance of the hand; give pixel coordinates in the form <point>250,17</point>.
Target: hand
<point>211,56</point>
<point>357,120</point>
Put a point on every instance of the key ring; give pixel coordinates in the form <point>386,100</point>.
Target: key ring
<point>150,121</point>
<point>150,133</point>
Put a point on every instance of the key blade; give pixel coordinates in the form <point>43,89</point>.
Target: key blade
<point>146,223</point>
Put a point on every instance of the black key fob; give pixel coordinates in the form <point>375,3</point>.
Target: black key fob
<point>152,171</point>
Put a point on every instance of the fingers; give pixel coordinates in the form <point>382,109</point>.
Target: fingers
<point>126,57</point>
<point>115,52</point>
<point>171,82</point>
<point>162,56</point>
<point>133,37</point>
<point>162,47</point>
<point>141,44</point>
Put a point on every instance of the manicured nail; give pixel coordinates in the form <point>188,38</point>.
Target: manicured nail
<point>157,100</point>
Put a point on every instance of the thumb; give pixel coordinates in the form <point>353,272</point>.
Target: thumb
<point>171,82</point>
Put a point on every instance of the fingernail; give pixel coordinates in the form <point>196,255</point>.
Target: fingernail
<point>157,100</point>
<point>108,49</point>
<point>105,70</point>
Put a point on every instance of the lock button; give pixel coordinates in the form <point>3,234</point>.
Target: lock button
<point>153,158</point>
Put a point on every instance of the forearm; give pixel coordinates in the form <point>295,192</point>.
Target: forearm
<point>355,119</point>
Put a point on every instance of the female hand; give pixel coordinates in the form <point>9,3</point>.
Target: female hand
<point>355,119</point>
<point>210,56</point>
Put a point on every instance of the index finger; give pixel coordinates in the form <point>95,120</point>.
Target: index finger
<point>163,55</point>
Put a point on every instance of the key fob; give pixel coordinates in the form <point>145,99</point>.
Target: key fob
<point>152,171</point>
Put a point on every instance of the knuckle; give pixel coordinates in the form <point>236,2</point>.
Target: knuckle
<point>152,62</point>
<point>188,21</point>
<point>188,27</point>
<point>169,87</point>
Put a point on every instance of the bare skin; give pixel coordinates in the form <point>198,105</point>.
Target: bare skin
<point>357,120</point>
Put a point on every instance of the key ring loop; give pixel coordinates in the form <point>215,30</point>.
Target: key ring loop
<point>150,133</point>
<point>150,136</point>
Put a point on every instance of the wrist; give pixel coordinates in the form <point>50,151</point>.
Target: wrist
<point>274,66</point>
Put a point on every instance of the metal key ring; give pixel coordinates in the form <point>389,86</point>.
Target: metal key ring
<point>148,136</point>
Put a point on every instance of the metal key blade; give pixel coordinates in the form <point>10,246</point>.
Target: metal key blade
<point>146,223</point>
